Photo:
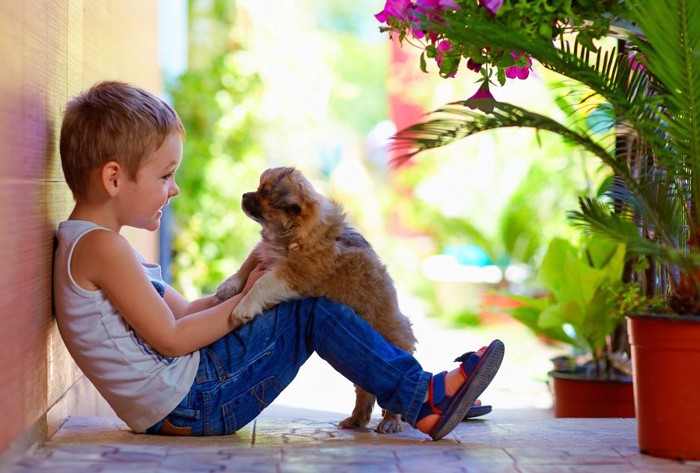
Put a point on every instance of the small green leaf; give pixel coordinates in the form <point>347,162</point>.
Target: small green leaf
<point>501,75</point>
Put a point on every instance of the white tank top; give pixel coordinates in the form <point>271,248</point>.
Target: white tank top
<point>139,384</point>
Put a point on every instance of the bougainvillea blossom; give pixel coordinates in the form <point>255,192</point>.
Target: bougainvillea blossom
<point>399,9</point>
<point>482,99</point>
<point>473,65</point>
<point>408,19</point>
<point>492,6</point>
<point>514,71</point>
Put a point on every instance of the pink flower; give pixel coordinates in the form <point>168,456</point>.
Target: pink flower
<point>473,65</point>
<point>482,99</point>
<point>404,12</point>
<point>520,72</point>
<point>433,9</point>
<point>424,5</point>
<point>449,4</point>
<point>444,46</point>
<point>394,8</point>
<point>439,5</point>
<point>492,6</point>
<point>408,14</point>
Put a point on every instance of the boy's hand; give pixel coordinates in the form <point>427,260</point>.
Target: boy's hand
<point>254,275</point>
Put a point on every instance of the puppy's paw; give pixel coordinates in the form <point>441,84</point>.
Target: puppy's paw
<point>353,422</point>
<point>229,288</point>
<point>390,425</point>
<point>243,312</point>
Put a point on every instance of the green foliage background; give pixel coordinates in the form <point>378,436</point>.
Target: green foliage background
<point>215,99</point>
<point>248,104</point>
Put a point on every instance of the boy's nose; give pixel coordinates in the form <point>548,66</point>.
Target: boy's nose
<point>174,190</point>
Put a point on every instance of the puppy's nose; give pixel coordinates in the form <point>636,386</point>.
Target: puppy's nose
<point>251,204</point>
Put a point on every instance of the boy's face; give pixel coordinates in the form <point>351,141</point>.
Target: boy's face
<point>145,196</point>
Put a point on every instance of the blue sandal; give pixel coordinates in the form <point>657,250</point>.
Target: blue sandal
<point>478,411</point>
<point>478,372</point>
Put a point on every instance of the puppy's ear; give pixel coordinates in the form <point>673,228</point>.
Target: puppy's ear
<point>288,202</point>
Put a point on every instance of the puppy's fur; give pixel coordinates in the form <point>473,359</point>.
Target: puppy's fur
<point>310,250</point>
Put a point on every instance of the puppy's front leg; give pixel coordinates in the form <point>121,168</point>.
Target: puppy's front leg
<point>235,284</point>
<point>267,291</point>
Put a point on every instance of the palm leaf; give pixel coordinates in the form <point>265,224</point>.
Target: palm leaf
<point>671,45</point>
<point>597,216</point>
<point>657,202</point>
<point>455,121</point>
<point>606,73</point>
<point>658,105</point>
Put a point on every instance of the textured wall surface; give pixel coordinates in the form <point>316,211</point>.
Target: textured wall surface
<point>49,51</point>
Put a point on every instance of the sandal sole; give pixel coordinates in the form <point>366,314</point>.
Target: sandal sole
<point>477,411</point>
<point>485,372</point>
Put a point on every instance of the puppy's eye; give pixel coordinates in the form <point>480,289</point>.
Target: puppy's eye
<point>264,191</point>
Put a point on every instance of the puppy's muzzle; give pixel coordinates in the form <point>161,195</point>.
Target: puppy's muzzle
<point>251,205</point>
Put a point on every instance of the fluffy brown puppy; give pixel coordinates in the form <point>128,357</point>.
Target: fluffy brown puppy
<point>310,250</point>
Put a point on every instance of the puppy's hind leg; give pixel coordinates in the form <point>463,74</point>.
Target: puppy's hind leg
<point>390,423</point>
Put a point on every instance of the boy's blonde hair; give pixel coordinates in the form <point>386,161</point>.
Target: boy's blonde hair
<point>112,121</point>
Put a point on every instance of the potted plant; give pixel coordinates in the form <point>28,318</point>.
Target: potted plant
<point>583,305</point>
<point>653,205</point>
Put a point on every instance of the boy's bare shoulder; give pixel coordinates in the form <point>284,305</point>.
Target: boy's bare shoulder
<point>104,242</point>
<point>98,252</point>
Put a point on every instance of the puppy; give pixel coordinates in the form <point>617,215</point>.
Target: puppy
<point>310,250</point>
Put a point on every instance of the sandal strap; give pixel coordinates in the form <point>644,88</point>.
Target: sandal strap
<point>436,396</point>
<point>437,401</point>
<point>438,388</point>
<point>464,356</point>
<point>469,362</point>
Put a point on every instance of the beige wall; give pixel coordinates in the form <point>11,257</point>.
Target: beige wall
<point>49,51</point>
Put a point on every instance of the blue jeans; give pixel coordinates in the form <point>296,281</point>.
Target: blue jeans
<point>242,373</point>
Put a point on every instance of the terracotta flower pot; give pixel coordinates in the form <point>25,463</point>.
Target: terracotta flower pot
<point>666,370</point>
<point>576,395</point>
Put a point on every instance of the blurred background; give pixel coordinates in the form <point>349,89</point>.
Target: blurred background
<point>315,85</point>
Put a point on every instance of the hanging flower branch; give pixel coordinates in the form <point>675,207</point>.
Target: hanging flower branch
<point>418,23</point>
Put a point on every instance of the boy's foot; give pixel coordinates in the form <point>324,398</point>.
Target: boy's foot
<point>450,395</point>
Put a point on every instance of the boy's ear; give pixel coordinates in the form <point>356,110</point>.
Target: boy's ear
<point>112,176</point>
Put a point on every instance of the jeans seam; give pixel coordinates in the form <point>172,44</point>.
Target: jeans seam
<point>207,421</point>
<point>417,399</point>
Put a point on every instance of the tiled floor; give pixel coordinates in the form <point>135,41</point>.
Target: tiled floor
<point>519,436</point>
<point>282,442</point>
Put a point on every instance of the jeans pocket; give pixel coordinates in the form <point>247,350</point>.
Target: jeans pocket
<point>210,367</point>
<point>181,422</point>
<point>240,410</point>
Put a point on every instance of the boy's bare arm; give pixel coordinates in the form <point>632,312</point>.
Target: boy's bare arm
<point>181,307</point>
<point>107,261</point>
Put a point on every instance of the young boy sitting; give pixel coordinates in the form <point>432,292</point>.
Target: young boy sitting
<point>170,366</point>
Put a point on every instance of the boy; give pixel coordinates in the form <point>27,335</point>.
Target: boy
<point>170,366</point>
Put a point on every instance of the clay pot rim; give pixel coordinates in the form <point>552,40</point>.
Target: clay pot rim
<point>669,317</point>
<point>581,375</point>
